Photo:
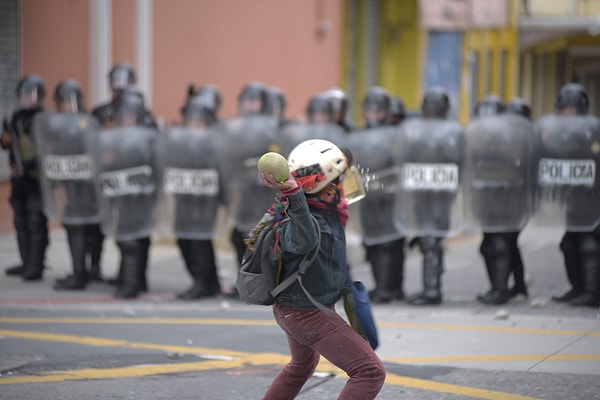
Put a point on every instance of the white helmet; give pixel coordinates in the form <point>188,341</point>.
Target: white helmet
<point>317,156</point>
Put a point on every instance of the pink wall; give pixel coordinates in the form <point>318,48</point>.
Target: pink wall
<point>232,42</point>
<point>124,26</point>
<point>55,42</point>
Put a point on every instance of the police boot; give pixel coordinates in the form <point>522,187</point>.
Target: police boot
<point>78,280</point>
<point>38,241</point>
<point>432,273</point>
<point>381,266</point>
<point>130,264</point>
<point>590,257</point>
<point>198,263</point>
<point>499,266</point>
<point>94,249</point>
<point>143,268</point>
<point>397,255</point>
<point>569,248</point>
<point>14,271</point>
<point>22,242</point>
<point>485,251</point>
<point>518,271</point>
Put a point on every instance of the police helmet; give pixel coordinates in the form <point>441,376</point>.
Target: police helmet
<point>253,99</point>
<point>489,105</point>
<point>573,95</point>
<point>436,103</point>
<point>68,97</point>
<point>31,92</point>
<point>519,106</point>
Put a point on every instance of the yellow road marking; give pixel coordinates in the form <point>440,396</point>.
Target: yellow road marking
<point>241,322</point>
<point>238,359</point>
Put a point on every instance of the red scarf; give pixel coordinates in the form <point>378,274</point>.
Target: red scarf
<point>331,198</point>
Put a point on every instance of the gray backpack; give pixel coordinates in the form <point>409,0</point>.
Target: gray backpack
<point>258,280</point>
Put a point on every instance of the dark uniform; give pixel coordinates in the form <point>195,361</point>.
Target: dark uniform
<point>581,250</point>
<point>26,199</point>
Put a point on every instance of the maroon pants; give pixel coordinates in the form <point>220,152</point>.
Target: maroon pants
<point>312,333</point>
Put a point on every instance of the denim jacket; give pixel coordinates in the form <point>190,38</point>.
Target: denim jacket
<point>326,277</point>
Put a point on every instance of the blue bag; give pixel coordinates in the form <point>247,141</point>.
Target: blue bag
<point>358,310</point>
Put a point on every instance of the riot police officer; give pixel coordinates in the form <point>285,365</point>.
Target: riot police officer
<point>26,199</point>
<point>432,207</point>
<point>83,239</point>
<point>130,111</point>
<point>581,250</point>
<point>198,254</point>
<point>499,249</point>
<point>518,106</point>
<point>120,76</point>
<point>384,245</point>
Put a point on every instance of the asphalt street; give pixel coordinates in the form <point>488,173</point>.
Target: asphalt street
<point>87,344</point>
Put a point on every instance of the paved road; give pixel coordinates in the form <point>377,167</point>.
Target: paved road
<point>86,344</point>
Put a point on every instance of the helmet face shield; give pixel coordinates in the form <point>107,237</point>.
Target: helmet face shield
<point>68,104</point>
<point>119,79</point>
<point>28,97</point>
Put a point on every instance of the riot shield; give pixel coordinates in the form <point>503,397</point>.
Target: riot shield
<point>429,155</point>
<point>126,180</point>
<point>190,184</point>
<point>565,162</point>
<point>496,183</point>
<point>293,134</point>
<point>240,142</point>
<point>66,167</point>
<point>372,149</point>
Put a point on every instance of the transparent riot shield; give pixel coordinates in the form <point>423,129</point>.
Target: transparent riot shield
<point>190,189</point>
<point>372,149</point>
<point>565,162</point>
<point>240,142</point>
<point>496,177</point>
<point>126,180</point>
<point>429,155</point>
<point>66,167</point>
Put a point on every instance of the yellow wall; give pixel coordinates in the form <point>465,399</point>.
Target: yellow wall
<point>401,42</point>
<point>497,68</point>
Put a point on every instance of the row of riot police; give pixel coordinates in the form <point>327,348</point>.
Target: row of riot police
<point>429,177</point>
<point>425,178</point>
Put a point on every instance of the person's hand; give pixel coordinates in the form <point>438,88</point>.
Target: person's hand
<point>5,139</point>
<point>269,181</point>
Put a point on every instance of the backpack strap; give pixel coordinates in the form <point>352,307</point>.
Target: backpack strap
<point>306,262</point>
